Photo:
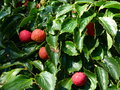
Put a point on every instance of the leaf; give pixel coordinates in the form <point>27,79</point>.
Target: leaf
<point>25,21</point>
<point>20,82</point>
<point>65,84</point>
<point>54,54</point>
<point>50,67</point>
<point>109,41</point>
<point>98,53</point>
<point>46,80</point>
<point>63,9</point>
<point>52,41</point>
<point>93,80</point>
<point>110,4</point>
<point>113,67</point>
<point>102,77</point>
<point>84,22</point>
<point>109,25</point>
<point>71,64</point>
<point>79,40</point>
<point>69,26</point>
<point>81,9</point>
<point>38,64</point>
<point>5,13</point>
<point>8,76</point>
<point>70,48</point>
<point>84,1</point>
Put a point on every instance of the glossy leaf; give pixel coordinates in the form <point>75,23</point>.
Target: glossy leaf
<point>69,26</point>
<point>112,67</point>
<point>102,77</point>
<point>93,79</point>
<point>65,84</point>
<point>109,41</point>
<point>38,64</point>
<point>63,9</point>
<point>46,80</point>
<point>70,48</point>
<point>20,82</point>
<point>109,25</point>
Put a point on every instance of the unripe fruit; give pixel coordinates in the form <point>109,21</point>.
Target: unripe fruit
<point>79,79</point>
<point>90,29</point>
<point>25,36</point>
<point>38,35</point>
<point>43,53</point>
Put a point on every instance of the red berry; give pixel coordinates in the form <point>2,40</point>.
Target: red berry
<point>25,36</point>
<point>38,5</point>
<point>79,79</point>
<point>38,35</point>
<point>26,3</point>
<point>43,53</point>
<point>90,29</point>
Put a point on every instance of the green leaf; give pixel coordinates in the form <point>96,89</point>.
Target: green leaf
<point>93,80</point>
<point>5,13</point>
<point>71,64</point>
<point>65,84</point>
<point>52,41</point>
<point>63,9</point>
<point>25,21</point>
<point>20,82</point>
<point>54,54</point>
<point>70,48</point>
<point>109,25</point>
<point>79,40</point>
<point>102,77</point>
<point>84,1</point>
<point>46,80</point>
<point>110,4</point>
<point>84,22</point>
<point>109,41</point>
<point>8,76</point>
<point>113,67</point>
<point>69,26</point>
<point>98,53</point>
<point>81,9</point>
<point>50,67</point>
<point>38,64</point>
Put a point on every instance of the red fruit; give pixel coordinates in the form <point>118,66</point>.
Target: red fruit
<point>43,53</point>
<point>38,5</point>
<point>19,4</point>
<point>79,79</point>
<point>26,3</point>
<point>25,36</point>
<point>90,29</point>
<point>38,35</point>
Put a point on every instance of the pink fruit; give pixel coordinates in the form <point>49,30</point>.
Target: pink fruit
<point>43,53</point>
<point>90,29</point>
<point>38,35</point>
<point>25,36</point>
<point>79,79</point>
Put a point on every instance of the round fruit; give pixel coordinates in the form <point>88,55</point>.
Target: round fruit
<point>38,35</point>
<point>26,3</point>
<point>43,53</point>
<point>79,79</point>
<point>38,5</point>
<point>90,29</point>
<point>25,36</point>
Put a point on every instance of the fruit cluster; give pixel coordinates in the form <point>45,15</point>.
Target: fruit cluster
<point>38,36</point>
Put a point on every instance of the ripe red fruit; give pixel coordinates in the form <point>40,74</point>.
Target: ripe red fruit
<point>25,36</point>
<point>90,29</point>
<point>43,53</point>
<point>79,79</point>
<point>26,3</point>
<point>38,35</point>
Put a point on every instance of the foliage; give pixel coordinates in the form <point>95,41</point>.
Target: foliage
<point>69,48</point>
